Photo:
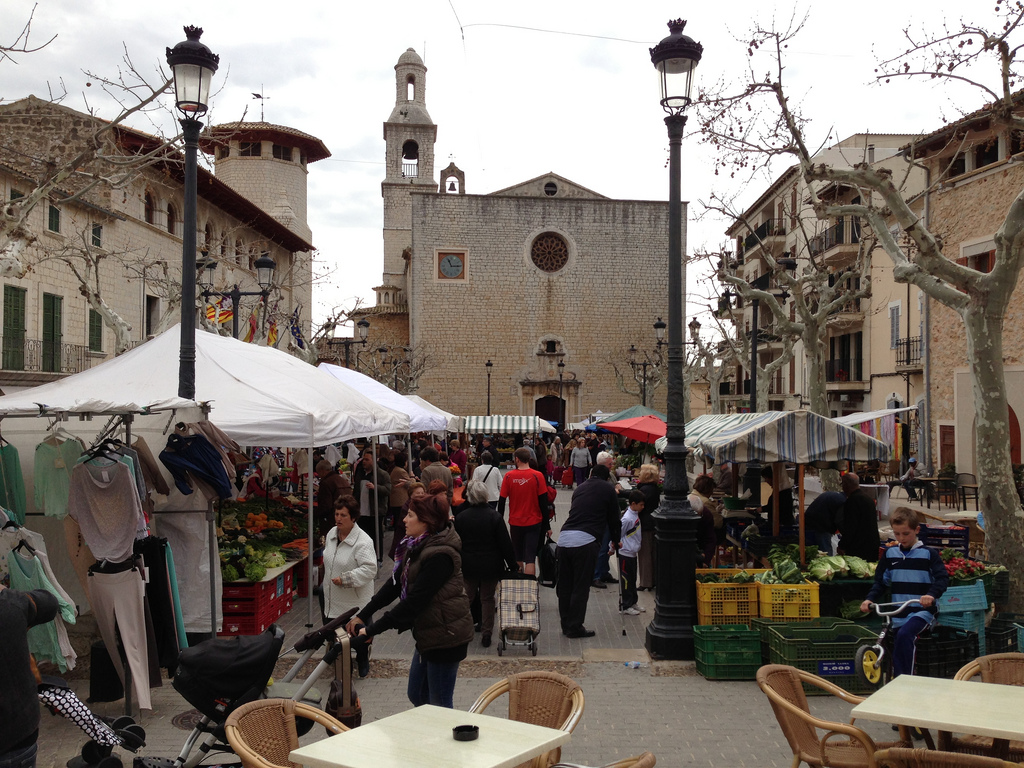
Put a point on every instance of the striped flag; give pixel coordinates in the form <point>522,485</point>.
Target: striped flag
<point>220,312</point>
<point>250,330</point>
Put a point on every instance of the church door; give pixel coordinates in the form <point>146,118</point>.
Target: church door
<point>548,408</point>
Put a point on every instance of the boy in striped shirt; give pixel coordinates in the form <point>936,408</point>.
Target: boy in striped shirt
<point>630,534</point>
<point>913,572</point>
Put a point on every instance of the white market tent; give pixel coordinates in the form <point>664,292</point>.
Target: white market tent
<point>258,395</point>
<point>507,424</point>
<point>420,419</point>
<point>455,423</point>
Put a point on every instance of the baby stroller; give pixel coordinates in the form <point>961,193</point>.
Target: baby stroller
<point>218,676</point>
<point>105,733</point>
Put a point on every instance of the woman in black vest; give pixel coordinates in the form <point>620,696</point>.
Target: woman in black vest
<point>427,582</point>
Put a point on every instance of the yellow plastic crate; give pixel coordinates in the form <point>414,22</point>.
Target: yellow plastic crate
<point>726,603</point>
<point>794,602</point>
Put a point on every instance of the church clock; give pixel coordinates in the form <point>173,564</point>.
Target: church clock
<point>451,266</point>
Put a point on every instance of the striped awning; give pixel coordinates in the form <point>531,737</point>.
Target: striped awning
<point>507,424</point>
<point>708,424</point>
<point>801,437</point>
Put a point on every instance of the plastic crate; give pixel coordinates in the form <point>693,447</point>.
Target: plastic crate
<point>764,625</point>
<point>942,651</point>
<point>972,621</point>
<point>726,603</point>
<point>1000,590</point>
<point>945,537</point>
<point>967,598</point>
<point>1000,639</point>
<point>727,652</point>
<point>827,652</point>
<point>788,601</point>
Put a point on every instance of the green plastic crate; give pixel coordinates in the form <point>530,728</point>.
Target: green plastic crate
<point>727,652</point>
<point>763,625</point>
<point>827,652</point>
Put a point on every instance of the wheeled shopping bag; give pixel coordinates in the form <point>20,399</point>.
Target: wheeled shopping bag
<point>518,612</point>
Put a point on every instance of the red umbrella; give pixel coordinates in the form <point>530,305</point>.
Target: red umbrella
<point>646,429</point>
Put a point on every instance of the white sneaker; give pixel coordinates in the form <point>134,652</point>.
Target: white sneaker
<point>632,611</point>
<point>640,608</point>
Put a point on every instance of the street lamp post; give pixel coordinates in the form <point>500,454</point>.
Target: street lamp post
<point>489,365</point>
<point>193,65</point>
<point>265,267</point>
<point>561,402</point>
<point>670,633</point>
<point>643,365</point>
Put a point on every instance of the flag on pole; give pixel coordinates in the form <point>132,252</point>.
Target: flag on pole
<point>250,330</point>
<point>272,334</point>
<point>220,312</point>
<point>296,329</point>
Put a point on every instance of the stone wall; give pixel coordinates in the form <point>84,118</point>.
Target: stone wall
<point>604,299</point>
<point>972,210</point>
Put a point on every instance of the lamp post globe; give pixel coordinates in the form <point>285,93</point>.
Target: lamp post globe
<point>670,633</point>
<point>265,267</point>
<point>363,327</point>
<point>193,65</point>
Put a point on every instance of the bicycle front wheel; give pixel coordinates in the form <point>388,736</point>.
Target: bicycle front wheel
<point>868,665</point>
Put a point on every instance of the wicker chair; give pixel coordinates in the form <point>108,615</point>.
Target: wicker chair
<point>1001,669</point>
<point>540,698</point>
<point>930,758</point>
<point>646,760</point>
<point>782,685</point>
<point>262,733</point>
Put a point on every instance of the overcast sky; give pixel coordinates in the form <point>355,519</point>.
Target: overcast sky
<point>516,89</point>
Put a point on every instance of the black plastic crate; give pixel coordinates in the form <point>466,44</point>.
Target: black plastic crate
<point>942,651</point>
<point>945,537</point>
<point>760,545</point>
<point>1001,639</point>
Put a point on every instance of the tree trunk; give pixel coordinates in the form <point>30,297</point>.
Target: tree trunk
<point>997,496</point>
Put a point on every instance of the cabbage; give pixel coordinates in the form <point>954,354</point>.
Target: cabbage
<point>274,560</point>
<point>859,567</point>
<point>839,565</point>
<point>821,569</point>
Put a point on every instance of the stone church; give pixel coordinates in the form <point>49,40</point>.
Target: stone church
<point>540,279</point>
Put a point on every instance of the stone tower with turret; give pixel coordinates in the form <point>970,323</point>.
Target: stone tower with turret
<point>410,135</point>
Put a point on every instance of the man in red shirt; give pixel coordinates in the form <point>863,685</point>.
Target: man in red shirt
<point>527,494</point>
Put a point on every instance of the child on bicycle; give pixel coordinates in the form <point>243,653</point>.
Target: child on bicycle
<point>913,572</point>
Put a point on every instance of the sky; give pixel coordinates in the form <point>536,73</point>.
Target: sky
<point>516,90</point>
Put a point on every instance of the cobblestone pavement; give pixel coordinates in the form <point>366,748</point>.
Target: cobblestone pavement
<point>664,707</point>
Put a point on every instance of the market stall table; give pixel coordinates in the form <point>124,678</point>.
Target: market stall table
<point>960,706</point>
<point>422,737</point>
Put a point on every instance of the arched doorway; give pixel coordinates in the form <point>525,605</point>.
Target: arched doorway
<point>549,408</point>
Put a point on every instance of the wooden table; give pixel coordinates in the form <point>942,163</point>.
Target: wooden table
<point>422,737</point>
<point>960,706</point>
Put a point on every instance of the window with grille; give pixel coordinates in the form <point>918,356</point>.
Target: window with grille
<point>53,219</point>
<point>97,235</point>
<point>95,331</point>
<point>549,252</point>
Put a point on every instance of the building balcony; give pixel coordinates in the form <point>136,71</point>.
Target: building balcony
<point>838,245</point>
<point>909,355</point>
<point>848,317</point>
<point>37,361</point>
<point>845,375</point>
<point>768,233</point>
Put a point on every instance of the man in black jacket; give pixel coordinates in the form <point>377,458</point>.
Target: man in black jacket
<point>594,510</point>
<point>857,521</point>
<point>19,706</point>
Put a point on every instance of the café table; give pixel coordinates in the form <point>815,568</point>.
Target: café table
<point>959,706</point>
<point>422,737</point>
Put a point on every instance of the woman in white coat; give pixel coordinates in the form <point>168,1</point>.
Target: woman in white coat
<point>350,565</point>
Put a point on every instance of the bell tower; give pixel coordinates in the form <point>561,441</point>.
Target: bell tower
<point>410,135</point>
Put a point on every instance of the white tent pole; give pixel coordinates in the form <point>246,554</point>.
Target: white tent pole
<point>310,534</point>
<point>373,496</point>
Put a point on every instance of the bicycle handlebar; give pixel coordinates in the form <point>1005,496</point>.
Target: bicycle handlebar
<point>899,607</point>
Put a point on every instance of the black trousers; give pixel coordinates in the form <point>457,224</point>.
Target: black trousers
<point>575,574</point>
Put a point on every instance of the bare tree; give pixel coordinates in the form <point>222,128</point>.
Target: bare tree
<point>758,120</point>
<point>22,42</point>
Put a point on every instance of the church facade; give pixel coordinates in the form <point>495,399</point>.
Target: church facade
<point>544,280</point>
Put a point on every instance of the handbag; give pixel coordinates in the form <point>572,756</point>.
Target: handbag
<point>548,556</point>
<point>342,702</point>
